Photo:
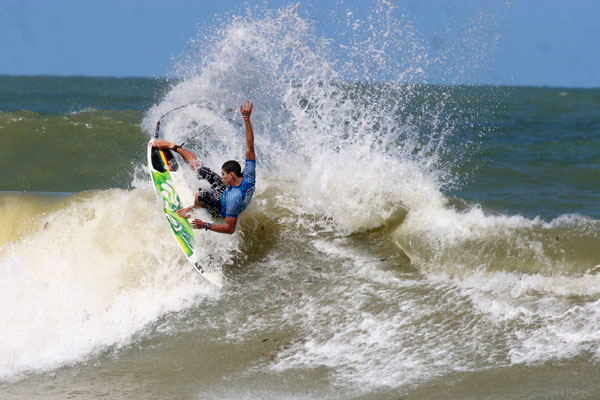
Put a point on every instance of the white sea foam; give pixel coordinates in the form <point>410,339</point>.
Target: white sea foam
<point>547,323</point>
<point>370,331</point>
<point>100,270</point>
<point>358,158</point>
<point>375,328</point>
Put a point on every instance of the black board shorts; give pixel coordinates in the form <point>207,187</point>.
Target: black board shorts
<point>211,199</point>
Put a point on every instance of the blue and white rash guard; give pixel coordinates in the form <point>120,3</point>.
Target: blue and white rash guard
<point>236,198</point>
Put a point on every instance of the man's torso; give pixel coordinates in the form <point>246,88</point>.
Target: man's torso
<point>235,199</point>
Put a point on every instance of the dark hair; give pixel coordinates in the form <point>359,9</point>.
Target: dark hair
<point>232,166</point>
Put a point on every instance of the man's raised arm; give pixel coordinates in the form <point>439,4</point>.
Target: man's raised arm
<point>246,110</point>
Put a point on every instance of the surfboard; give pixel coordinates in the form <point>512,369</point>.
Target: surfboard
<point>174,191</point>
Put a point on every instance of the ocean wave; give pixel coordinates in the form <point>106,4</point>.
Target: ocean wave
<point>87,276</point>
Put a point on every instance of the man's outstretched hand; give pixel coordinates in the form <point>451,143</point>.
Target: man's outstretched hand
<point>184,212</point>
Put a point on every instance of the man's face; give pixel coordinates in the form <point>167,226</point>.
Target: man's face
<point>227,177</point>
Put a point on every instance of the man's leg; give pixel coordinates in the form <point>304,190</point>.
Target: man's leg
<point>207,199</point>
<point>210,202</point>
<point>212,178</point>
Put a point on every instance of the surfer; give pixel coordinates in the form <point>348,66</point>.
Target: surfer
<point>231,192</point>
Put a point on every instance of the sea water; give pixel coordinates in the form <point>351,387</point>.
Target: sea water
<point>406,239</point>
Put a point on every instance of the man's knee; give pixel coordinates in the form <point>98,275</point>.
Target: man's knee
<point>202,199</point>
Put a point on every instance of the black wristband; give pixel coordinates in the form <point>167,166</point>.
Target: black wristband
<point>207,226</point>
<point>176,147</point>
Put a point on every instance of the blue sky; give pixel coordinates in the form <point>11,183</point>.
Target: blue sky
<point>552,43</point>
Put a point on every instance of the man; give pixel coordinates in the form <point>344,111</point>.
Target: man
<point>231,192</point>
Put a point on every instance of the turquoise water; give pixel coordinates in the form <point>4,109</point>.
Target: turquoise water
<point>64,95</point>
<point>540,155</point>
<point>406,240</point>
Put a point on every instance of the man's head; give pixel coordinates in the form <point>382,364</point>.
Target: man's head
<point>231,172</point>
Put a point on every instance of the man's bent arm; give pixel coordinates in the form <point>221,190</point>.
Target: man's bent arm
<point>187,155</point>
<point>229,228</point>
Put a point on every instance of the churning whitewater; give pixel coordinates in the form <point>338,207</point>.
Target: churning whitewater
<point>352,255</point>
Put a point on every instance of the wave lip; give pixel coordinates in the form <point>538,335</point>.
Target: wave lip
<point>447,240</point>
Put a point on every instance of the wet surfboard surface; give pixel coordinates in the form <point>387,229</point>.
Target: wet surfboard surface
<point>175,193</point>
